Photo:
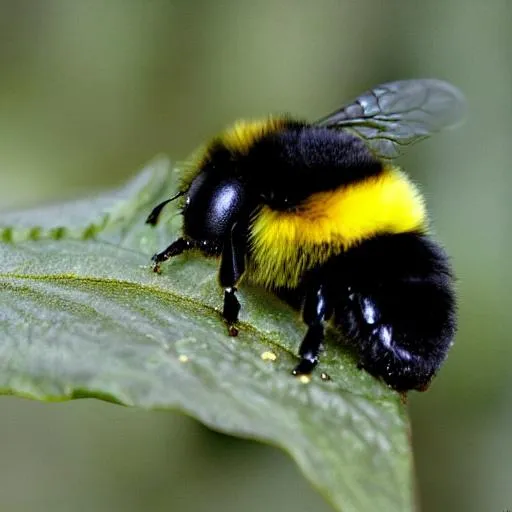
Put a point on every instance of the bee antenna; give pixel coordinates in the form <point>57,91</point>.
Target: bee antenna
<point>155,213</point>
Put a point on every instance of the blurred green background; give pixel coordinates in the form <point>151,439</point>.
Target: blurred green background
<point>90,90</point>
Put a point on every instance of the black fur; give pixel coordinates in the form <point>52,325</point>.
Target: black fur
<point>288,166</point>
<point>393,300</point>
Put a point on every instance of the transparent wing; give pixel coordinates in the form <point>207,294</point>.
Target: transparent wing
<point>398,114</point>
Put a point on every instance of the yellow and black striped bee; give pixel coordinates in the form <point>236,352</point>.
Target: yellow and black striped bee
<point>317,213</point>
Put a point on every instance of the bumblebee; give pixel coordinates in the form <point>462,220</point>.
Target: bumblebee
<point>318,214</point>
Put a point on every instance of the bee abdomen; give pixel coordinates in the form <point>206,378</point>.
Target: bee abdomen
<point>398,307</point>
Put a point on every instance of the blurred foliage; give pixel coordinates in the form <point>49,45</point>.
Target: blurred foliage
<point>91,90</point>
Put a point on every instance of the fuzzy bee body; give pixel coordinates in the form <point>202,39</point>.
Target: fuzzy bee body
<point>319,215</point>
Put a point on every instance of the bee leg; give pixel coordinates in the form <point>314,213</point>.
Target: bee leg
<point>232,266</point>
<point>177,247</point>
<point>315,312</point>
<point>231,309</point>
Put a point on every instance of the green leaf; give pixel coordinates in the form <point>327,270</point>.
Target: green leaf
<point>82,314</point>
